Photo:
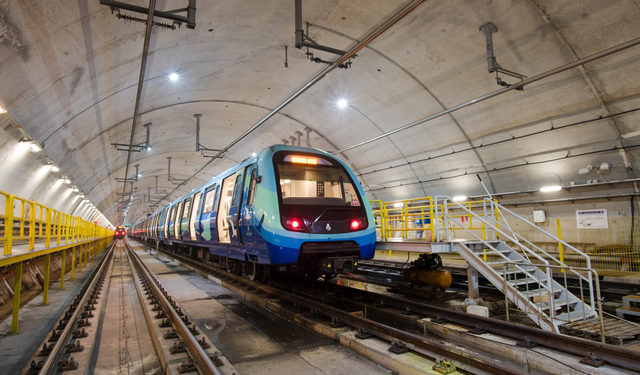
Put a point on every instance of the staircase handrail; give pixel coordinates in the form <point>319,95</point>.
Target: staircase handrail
<point>510,234</point>
<point>589,278</point>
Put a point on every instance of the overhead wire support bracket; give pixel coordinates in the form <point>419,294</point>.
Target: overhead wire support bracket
<point>138,147</point>
<point>488,29</point>
<point>171,15</point>
<point>303,40</point>
<point>199,147</point>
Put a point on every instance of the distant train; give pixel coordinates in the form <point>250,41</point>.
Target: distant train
<point>120,232</point>
<point>289,208</point>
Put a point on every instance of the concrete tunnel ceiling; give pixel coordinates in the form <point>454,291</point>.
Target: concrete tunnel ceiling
<point>69,72</point>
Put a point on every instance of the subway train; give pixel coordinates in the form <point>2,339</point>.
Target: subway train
<point>120,232</point>
<point>287,209</point>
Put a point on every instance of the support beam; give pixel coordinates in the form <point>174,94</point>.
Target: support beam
<point>45,290</point>
<point>73,262</point>
<point>472,281</point>
<point>17,284</point>
<point>63,260</point>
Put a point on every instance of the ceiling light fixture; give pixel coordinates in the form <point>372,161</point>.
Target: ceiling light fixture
<point>2,110</point>
<point>342,103</point>
<point>148,148</point>
<point>398,205</point>
<point>547,189</point>
<point>174,76</point>
<point>253,154</point>
<point>35,147</point>
<point>459,198</point>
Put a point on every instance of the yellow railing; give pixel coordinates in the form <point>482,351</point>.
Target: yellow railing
<point>30,221</point>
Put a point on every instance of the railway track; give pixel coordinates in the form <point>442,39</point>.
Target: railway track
<point>74,341</point>
<point>386,308</point>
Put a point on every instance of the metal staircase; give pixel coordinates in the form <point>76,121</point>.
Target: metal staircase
<point>529,285</point>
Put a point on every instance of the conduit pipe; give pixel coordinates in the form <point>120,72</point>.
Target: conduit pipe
<point>143,68</point>
<point>352,51</point>
<point>515,86</point>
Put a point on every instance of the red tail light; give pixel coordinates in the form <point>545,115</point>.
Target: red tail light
<point>294,224</point>
<point>355,224</point>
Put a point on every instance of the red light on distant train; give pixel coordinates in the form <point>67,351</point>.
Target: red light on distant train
<point>295,224</point>
<point>355,224</point>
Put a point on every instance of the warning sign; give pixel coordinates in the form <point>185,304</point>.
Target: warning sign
<point>589,219</point>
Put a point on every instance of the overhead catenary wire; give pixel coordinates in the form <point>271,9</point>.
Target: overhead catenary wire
<point>513,138</point>
<point>515,86</point>
<point>352,51</point>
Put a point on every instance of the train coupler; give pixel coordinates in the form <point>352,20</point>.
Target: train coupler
<point>338,264</point>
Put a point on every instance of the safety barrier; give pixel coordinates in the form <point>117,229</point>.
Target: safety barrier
<point>31,221</point>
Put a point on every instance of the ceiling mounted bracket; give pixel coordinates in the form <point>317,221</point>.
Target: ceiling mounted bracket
<point>175,181</point>
<point>146,145</point>
<point>171,15</point>
<point>303,40</point>
<point>488,29</point>
<point>199,147</point>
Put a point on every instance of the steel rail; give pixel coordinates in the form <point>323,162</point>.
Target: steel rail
<point>419,344</point>
<point>136,110</point>
<point>615,355</point>
<point>560,69</point>
<point>204,363</point>
<point>52,360</point>
<point>353,50</point>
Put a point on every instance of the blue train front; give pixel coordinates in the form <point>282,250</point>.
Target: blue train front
<point>287,209</point>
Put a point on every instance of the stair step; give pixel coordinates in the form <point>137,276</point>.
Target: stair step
<point>575,316</point>
<point>527,280</point>
<point>492,252</point>
<point>503,261</point>
<point>556,303</point>
<point>512,271</point>
<point>537,292</point>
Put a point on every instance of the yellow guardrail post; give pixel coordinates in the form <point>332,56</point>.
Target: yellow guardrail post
<point>58,224</point>
<point>66,228</point>
<point>63,262</point>
<point>45,290</point>
<point>560,248</point>
<point>21,235</point>
<point>86,250</point>
<point>48,228</point>
<point>17,283</point>
<point>8,225</point>
<point>32,226</point>
<point>431,220</point>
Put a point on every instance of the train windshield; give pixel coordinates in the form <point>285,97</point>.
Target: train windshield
<point>314,181</point>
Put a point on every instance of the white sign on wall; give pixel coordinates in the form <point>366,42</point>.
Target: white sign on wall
<point>592,219</point>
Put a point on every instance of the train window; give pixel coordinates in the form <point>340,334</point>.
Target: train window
<point>185,212</point>
<point>216,200</point>
<point>237,189</point>
<point>315,184</point>
<point>252,187</point>
<point>208,200</point>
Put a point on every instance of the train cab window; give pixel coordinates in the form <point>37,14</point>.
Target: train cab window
<point>307,180</point>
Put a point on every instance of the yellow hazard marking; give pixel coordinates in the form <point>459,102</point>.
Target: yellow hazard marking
<point>329,265</point>
<point>355,263</point>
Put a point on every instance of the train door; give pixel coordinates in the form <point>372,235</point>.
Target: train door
<point>207,218</point>
<point>192,217</point>
<point>176,221</point>
<point>248,216</point>
<point>227,219</point>
<point>184,219</point>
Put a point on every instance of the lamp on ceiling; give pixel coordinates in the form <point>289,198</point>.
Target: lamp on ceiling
<point>2,110</point>
<point>547,189</point>
<point>342,103</point>
<point>460,198</point>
